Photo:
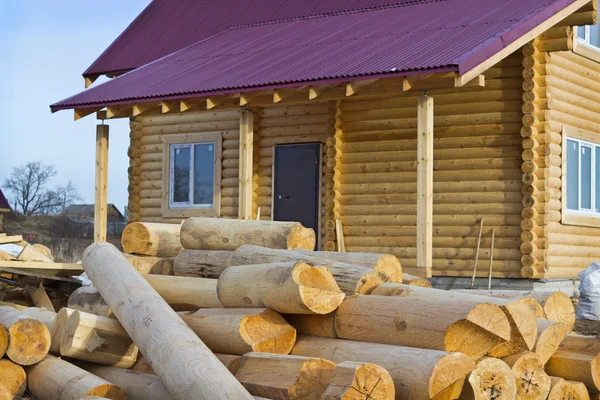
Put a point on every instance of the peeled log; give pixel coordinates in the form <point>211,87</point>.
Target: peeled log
<point>418,374</point>
<point>102,340</point>
<point>229,234</point>
<point>351,279</point>
<point>567,390</point>
<point>550,336</point>
<point>532,381</point>
<point>493,379</point>
<point>44,316</point>
<point>201,263</point>
<point>185,294</point>
<point>413,322</point>
<point>184,364</point>
<point>57,331</point>
<point>358,381</point>
<point>137,385</point>
<point>13,380</point>
<point>313,324</point>
<point>278,376</point>
<point>415,280</point>
<point>28,339</point>
<point>56,379</point>
<point>292,288</point>
<point>576,367</point>
<point>242,330</point>
<point>150,264</point>
<point>152,239</point>
<point>89,299</point>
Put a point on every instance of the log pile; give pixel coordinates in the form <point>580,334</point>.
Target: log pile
<point>239,320</point>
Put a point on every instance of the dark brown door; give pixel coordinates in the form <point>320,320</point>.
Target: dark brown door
<point>296,184</point>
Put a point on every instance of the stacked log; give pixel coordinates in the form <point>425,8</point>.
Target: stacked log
<point>334,141</point>
<point>152,239</point>
<point>13,380</point>
<point>28,339</point>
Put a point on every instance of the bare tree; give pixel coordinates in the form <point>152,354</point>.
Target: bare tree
<point>29,187</point>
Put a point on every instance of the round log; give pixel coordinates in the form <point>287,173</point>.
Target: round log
<point>550,336</point>
<point>57,331</point>
<point>3,341</point>
<point>185,294</point>
<point>178,357</point>
<point>356,381</point>
<point>290,288</point>
<point>13,380</point>
<point>56,379</point>
<point>89,299</point>
<point>523,331</point>
<point>493,379</point>
<point>232,362</point>
<point>151,239</point>
<point>532,381</point>
<point>242,330</point>
<point>415,280</point>
<point>229,234</point>
<point>147,264</point>
<point>44,316</point>
<point>567,390</point>
<point>468,338</point>
<point>313,324</point>
<point>28,339</point>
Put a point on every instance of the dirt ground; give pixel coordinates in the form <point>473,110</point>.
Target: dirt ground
<point>587,327</point>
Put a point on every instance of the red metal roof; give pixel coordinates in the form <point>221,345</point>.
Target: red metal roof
<point>166,26</point>
<point>3,202</point>
<point>443,35</point>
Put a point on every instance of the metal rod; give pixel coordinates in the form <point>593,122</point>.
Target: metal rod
<point>491,261</point>
<point>477,254</point>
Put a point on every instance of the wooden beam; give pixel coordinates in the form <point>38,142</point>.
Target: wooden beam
<point>280,94</point>
<point>425,184</point>
<point>408,82</point>
<point>438,81</point>
<point>188,104</point>
<point>317,90</point>
<point>213,101</point>
<point>141,108</point>
<point>89,80</point>
<point>84,112</point>
<point>353,87</point>
<point>100,198</point>
<point>119,111</point>
<point>11,239</point>
<point>478,81</point>
<point>49,268</point>
<point>101,115</point>
<point>246,98</point>
<point>169,106</point>
<point>522,41</point>
<point>246,164</point>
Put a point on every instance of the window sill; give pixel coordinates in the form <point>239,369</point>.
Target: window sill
<point>586,51</point>
<point>189,212</point>
<point>570,218</point>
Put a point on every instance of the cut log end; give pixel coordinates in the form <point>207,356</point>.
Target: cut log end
<point>535,306</point>
<point>13,380</point>
<point>354,381</point>
<point>415,281</point>
<point>108,391</point>
<point>3,340</point>
<point>465,337</point>
<point>493,379</point>
<point>491,318</point>
<point>268,332</point>
<point>549,339</point>
<point>567,390</point>
<point>140,236</point>
<point>451,370</point>
<point>318,288</point>
<point>313,379</point>
<point>29,341</point>
<point>523,330</point>
<point>559,307</point>
<point>531,380</point>
<point>300,237</point>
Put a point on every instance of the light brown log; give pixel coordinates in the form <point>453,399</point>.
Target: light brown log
<point>575,343</point>
<point>102,340</point>
<point>576,367</point>
<point>412,322</point>
<point>57,331</point>
<point>30,253</point>
<point>242,330</point>
<point>417,373</point>
<point>523,331</point>
<point>28,339</point>
<point>3,340</point>
<point>137,385</point>
<point>13,380</point>
<point>142,365</point>
<point>492,379</point>
<point>290,288</point>
<point>376,261</point>
<point>313,324</point>
<point>550,335</point>
<point>201,263</point>
<point>535,306</point>
<point>147,264</point>
<point>360,381</point>
<point>278,376</point>
<point>44,316</point>
<point>89,299</point>
<point>351,279</point>
<point>415,280</point>
<point>531,380</point>
<point>229,234</point>
<point>178,357</point>
<point>56,379</point>
<point>185,294</point>
<point>151,239</point>
<point>567,390</point>
<point>45,250</point>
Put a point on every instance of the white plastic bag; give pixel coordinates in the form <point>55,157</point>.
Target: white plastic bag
<point>589,293</point>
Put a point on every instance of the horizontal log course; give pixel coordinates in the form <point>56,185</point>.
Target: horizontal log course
<point>13,380</point>
<point>151,239</point>
<point>56,379</point>
<point>184,293</point>
<point>291,288</point>
<point>239,331</point>
<point>29,340</point>
<point>222,234</point>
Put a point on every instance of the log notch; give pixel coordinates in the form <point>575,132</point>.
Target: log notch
<point>352,279</point>
<point>178,357</point>
<point>56,379</point>
<point>354,380</point>
<point>97,339</point>
<point>492,379</point>
<point>417,373</point>
<point>414,323</point>
<point>185,294</point>
<point>576,367</point>
<point>242,330</point>
<point>13,380</point>
<point>278,376</point>
<point>567,390</point>
<point>57,331</point>
<point>28,339</point>
<point>89,299</point>
<point>232,362</point>
<point>229,234</point>
<point>313,324</point>
<point>331,182</point>
<point>201,263</point>
<point>137,385</point>
<point>531,380</point>
<point>292,288</point>
<point>152,239</point>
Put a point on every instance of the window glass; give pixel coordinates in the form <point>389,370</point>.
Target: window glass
<point>572,175</point>
<point>586,177</point>
<point>204,173</point>
<point>581,32</point>
<point>181,174</point>
<point>595,35</point>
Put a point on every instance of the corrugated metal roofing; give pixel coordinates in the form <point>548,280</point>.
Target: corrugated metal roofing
<point>441,35</point>
<point>166,26</point>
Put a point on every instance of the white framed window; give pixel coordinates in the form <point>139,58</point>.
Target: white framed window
<point>589,36</point>
<point>582,177</point>
<point>191,175</point>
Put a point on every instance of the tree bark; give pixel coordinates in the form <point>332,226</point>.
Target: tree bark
<point>28,339</point>
<point>152,239</point>
<point>201,263</point>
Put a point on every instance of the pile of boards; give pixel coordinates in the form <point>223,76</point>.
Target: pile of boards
<point>252,312</point>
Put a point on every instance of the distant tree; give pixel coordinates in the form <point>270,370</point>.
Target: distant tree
<point>29,187</point>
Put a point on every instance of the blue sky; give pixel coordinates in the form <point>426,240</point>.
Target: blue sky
<point>44,48</point>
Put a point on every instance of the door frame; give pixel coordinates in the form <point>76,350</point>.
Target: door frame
<point>319,188</point>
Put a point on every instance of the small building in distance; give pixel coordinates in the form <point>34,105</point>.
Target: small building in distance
<point>4,208</point>
<point>86,212</point>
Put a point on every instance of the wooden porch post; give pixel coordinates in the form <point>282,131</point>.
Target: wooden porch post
<point>425,184</point>
<point>100,206</point>
<point>246,164</point>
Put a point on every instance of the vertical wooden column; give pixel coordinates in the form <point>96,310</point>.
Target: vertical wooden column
<point>100,199</point>
<point>246,164</point>
<point>425,184</point>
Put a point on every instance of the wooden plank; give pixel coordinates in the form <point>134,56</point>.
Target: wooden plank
<point>425,184</point>
<point>353,87</point>
<point>40,297</point>
<point>11,239</point>
<point>62,268</point>
<point>246,164</point>
<point>100,196</point>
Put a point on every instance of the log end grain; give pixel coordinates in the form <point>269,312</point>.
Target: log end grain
<point>532,381</point>
<point>415,280</point>
<point>29,341</point>
<point>108,391</point>
<point>136,239</point>
<point>450,370</point>
<point>465,337</point>
<point>318,288</point>
<point>356,381</point>
<point>535,306</point>
<point>567,390</point>
<point>491,318</point>
<point>3,340</point>
<point>268,332</point>
<point>300,237</point>
<point>13,380</point>
<point>559,307</point>
<point>313,380</point>
<point>550,338</point>
<point>493,379</point>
